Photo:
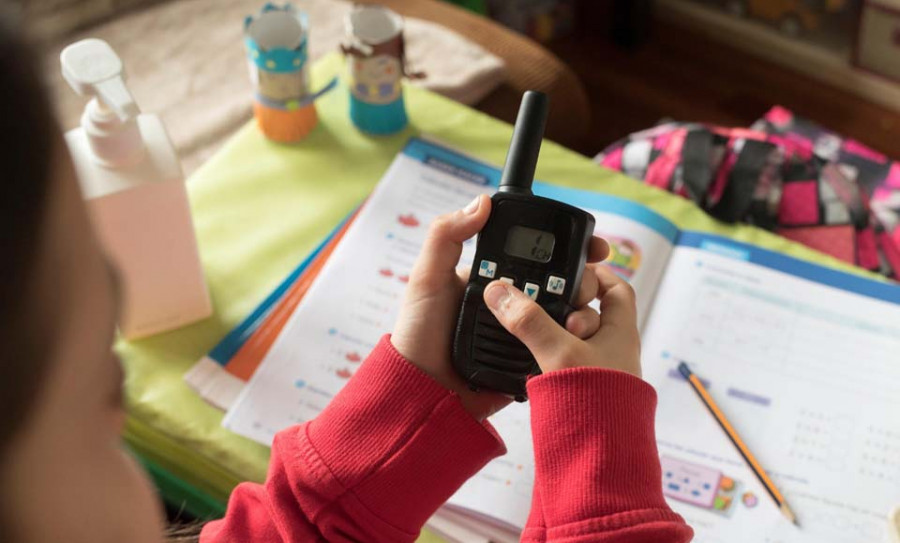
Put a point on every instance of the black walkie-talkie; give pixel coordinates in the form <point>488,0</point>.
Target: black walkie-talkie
<point>537,244</point>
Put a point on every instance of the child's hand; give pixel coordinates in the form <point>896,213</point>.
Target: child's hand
<point>608,339</point>
<point>424,329</point>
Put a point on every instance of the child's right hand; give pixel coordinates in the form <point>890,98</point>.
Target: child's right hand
<point>608,339</point>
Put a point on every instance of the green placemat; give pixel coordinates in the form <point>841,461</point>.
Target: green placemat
<point>260,207</point>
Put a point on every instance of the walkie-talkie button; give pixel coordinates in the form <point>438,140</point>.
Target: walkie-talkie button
<point>531,290</point>
<point>508,280</point>
<point>487,269</point>
<point>556,285</point>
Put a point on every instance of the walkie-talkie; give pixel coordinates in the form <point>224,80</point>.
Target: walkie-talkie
<point>537,244</point>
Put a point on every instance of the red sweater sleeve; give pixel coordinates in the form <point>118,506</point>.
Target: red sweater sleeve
<point>595,454</point>
<point>389,449</point>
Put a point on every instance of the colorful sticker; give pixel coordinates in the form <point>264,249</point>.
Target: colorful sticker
<point>624,256</point>
<point>698,485</point>
<point>749,500</point>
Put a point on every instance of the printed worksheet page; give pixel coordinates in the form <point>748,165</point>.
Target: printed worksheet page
<point>805,362</point>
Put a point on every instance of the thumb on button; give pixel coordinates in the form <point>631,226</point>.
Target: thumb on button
<point>526,320</point>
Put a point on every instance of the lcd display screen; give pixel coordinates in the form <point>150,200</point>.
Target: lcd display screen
<point>530,243</point>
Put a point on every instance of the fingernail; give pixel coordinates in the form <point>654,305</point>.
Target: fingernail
<point>472,207</point>
<point>496,295</point>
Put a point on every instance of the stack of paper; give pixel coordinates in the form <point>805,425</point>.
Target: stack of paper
<point>221,375</point>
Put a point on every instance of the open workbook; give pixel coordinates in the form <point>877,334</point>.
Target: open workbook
<point>802,359</point>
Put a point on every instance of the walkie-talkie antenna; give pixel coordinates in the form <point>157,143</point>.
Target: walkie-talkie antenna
<point>521,159</point>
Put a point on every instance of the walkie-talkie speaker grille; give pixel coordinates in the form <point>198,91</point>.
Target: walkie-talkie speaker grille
<point>498,349</point>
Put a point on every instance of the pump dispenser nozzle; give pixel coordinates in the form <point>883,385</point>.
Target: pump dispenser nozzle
<point>93,69</point>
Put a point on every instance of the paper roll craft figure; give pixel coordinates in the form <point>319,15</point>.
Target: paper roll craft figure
<point>375,52</point>
<point>277,49</point>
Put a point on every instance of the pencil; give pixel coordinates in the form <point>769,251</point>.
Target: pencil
<point>760,473</point>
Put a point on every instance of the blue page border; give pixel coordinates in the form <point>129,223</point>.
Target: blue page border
<point>453,162</point>
<point>817,273</point>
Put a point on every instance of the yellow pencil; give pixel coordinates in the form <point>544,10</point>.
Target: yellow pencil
<point>761,474</point>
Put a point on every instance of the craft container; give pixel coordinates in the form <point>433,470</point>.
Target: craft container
<point>374,49</point>
<point>277,49</point>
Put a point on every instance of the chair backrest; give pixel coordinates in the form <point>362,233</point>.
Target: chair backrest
<point>529,66</point>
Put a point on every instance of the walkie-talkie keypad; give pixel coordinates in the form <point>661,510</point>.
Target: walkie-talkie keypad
<point>555,284</point>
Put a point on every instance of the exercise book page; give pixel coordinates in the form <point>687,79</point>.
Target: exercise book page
<point>805,363</point>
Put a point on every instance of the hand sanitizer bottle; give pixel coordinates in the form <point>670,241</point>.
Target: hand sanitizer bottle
<point>134,187</point>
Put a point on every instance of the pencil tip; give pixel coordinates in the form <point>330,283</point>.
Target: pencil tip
<point>684,369</point>
<point>786,511</point>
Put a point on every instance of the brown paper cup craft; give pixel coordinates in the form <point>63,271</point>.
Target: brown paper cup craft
<point>374,49</point>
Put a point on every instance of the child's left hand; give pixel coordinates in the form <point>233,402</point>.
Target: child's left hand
<point>424,329</point>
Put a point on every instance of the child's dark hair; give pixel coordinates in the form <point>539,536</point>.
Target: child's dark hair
<point>29,151</point>
<point>28,136</point>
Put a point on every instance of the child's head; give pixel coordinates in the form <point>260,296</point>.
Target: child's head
<point>63,473</point>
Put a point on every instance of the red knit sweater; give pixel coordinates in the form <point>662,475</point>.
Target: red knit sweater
<point>394,445</point>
